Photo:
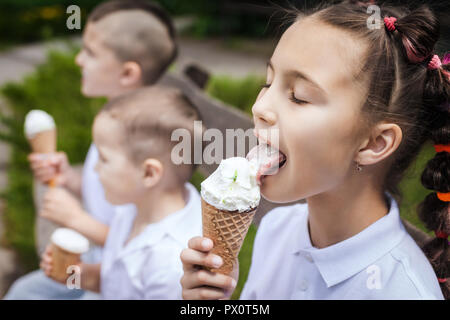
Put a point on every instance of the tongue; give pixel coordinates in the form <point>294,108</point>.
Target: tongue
<point>267,159</point>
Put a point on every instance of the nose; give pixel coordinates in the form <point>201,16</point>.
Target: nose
<point>79,58</point>
<point>262,111</point>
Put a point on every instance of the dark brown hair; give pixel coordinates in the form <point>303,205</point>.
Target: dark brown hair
<point>149,116</point>
<point>402,90</point>
<point>150,73</point>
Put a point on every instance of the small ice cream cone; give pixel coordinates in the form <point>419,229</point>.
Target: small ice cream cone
<point>227,229</point>
<point>44,142</point>
<point>40,130</point>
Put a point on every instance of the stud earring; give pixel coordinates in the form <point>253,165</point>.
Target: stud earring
<point>358,167</point>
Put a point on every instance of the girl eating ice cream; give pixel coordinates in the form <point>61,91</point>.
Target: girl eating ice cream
<point>353,106</point>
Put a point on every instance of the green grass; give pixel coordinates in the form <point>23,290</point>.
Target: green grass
<point>245,259</point>
<point>412,190</point>
<point>55,88</point>
<point>238,92</point>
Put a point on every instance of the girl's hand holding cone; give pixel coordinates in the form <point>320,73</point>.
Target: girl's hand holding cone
<point>197,282</point>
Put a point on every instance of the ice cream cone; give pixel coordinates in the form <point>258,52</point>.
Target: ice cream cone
<point>40,130</point>
<point>227,229</point>
<point>44,142</point>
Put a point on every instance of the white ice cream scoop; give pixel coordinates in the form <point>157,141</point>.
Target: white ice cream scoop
<point>70,240</point>
<point>37,121</point>
<point>232,186</point>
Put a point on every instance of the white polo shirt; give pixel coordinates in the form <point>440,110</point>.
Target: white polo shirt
<point>380,262</point>
<point>149,265</point>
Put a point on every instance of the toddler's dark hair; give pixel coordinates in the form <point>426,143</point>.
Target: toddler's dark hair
<point>403,90</point>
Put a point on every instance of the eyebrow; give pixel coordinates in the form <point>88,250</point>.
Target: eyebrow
<point>298,74</point>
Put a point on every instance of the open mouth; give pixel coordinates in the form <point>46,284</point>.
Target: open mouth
<point>269,160</point>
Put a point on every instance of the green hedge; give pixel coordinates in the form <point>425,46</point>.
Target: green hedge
<point>55,88</point>
<point>238,92</point>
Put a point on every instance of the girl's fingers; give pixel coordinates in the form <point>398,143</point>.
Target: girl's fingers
<point>201,244</point>
<point>203,293</point>
<point>192,258</point>
<point>200,278</point>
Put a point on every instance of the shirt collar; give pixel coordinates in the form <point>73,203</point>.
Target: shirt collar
<point>178,225</point>
<point>342,260</point>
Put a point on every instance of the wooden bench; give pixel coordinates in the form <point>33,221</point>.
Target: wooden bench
<point>215,114</point>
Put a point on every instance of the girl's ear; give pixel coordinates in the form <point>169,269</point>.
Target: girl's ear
<point>153,171</point>
<point>384,140</point>
<point>131,74</point>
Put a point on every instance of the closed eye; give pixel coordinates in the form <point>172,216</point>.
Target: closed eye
<point>295,100</point>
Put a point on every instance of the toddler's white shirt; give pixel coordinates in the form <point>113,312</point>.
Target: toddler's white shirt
<point>149,265</point>
<point>380,262</point>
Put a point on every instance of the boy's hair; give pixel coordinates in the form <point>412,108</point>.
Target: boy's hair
<point>402,89</point>
<point>149,117</point>
<point>133,35</point>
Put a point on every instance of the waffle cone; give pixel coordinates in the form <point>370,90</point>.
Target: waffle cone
<point>227,229</point>
<point>44,142</point>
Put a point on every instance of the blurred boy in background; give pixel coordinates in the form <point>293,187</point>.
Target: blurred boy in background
<point>133,135</point>
<point>127,44</point>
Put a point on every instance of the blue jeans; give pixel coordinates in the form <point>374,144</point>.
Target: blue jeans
<point>37,286</point>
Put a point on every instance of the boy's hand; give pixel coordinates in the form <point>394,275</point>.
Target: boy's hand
<point>198,283</point>
<point>49,166</point>
<point>61,207</point>
<point>47,261</point>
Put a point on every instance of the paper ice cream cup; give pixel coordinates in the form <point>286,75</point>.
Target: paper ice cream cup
<point>67,246</point>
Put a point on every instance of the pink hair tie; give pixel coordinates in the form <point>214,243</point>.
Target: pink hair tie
<point>446,59</point>
<point>435,63</point>
<point>389,22</point>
